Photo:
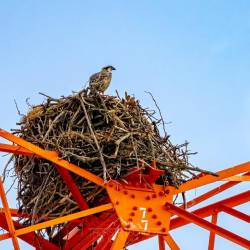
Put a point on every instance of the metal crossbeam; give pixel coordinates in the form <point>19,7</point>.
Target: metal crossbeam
<point>52,157</point>
<point>11,227</point>
<point>207,179</point>
<point>207,225</point>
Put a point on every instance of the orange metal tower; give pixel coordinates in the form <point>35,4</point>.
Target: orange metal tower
<point>135,211</point>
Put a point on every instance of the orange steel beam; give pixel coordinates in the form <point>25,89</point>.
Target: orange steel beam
<point>69,181</point>
<point>207,179</point>
<point>13,211</point>
<point>86,237</point>
<point>108,235</point>
<point>120,240</point>
<point>238,178</point>
<point>161,242</point>
<point>171,243</point>
<point>207,225</point>
<point>209,210</point>
<point>212,192</point>
<point>70,240</point>
<point>17,150</point>
<point>51,156</point>
<point>63,219</point>
<point>87,225</point>
<point>31,238</point>
<point>235,213</point>
<point>5,236</point>
<point>212,234</point>
<point>8,217</point>
<point>63,172</point>
<point>90,221</point>
<point>109,245</point>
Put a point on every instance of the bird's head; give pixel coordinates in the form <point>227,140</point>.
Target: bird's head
<point>108,68</point>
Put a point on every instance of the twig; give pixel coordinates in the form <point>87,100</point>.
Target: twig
<point>96,141</point>
<point>201,170</point>
<point>18,110</point>
<point>49,97</point>
<point>159,110</point>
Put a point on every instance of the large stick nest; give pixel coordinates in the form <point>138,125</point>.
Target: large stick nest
<point>105,135</point>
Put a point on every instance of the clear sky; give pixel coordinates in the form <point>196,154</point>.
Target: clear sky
<point>192,55</point>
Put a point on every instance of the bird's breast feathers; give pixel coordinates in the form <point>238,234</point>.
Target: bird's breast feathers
<point>101,76</point>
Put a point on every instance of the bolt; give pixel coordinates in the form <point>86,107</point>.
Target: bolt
<point>167,206</point>
<point>154,216</point>
<point>215,211</point>
<point>154,196</point>
<point>161,193</point>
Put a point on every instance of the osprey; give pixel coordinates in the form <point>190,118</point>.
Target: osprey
<point>100,81</point>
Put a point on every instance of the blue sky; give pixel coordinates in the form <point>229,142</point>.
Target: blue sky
<point>192,55</point>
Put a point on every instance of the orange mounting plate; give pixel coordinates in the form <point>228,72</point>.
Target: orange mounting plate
<point>141,209</point>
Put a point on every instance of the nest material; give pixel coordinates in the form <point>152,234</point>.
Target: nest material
<point>105,135</point>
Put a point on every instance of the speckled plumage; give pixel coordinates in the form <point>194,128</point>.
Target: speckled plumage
<point>100,81</point>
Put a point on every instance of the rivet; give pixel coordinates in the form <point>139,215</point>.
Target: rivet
<point>154,216</point>
<point>150,209</point>
<point>167,206</point>
<point>111,185</point>
<point>125,192</point>
<point>132,196</point>
<point>135,208</point>
<point>130,219</point>
<point>167,191</point>
<point>132,214</point>
<point>154,196</point>
<point>147,197</point>
<point>127,226</point>
<point>158,223</point>
<point>163,229</point>
<point>161,193</point>
<point>117,203</point>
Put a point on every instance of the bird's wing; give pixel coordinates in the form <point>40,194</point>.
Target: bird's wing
<point>95,77</point>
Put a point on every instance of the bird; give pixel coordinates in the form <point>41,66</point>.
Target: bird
<point>100,81</point>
